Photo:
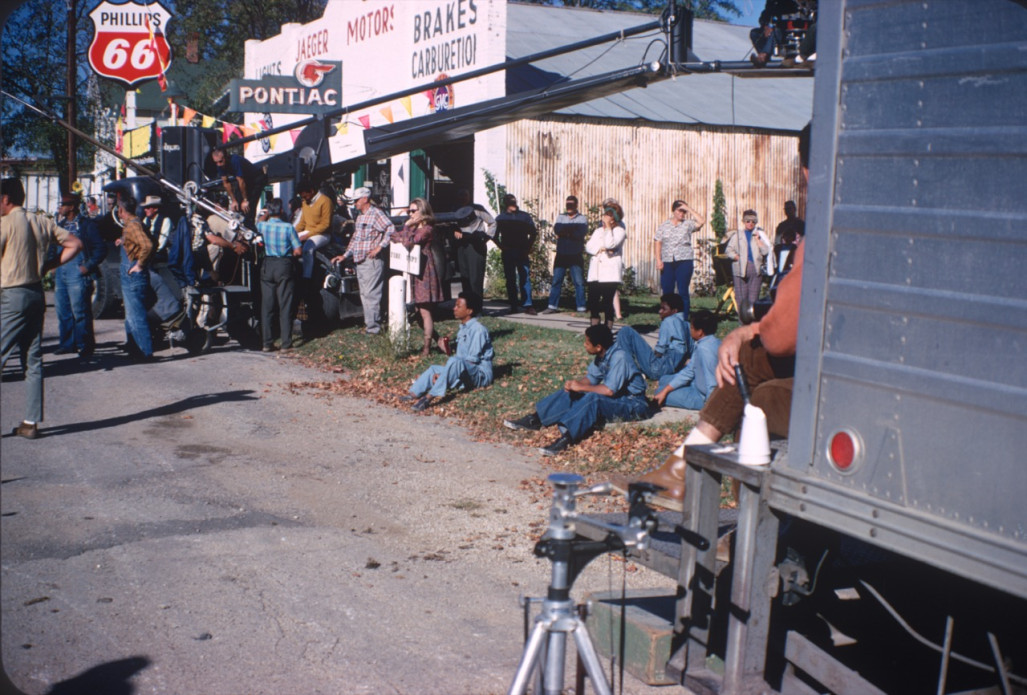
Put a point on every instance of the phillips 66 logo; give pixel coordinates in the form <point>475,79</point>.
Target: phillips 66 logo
<point>129,43</point>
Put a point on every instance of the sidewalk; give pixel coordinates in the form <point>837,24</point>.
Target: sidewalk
<point>577,322</point>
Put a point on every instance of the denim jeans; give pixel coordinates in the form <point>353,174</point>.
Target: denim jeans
<point>21,327</point>
<point>136,295</point>
<point>167,293</point>
<point>765,44</point>
<point>456,373</point>
<point>677,273</point>
<point>516,266</point>
<point>73,303</point>
<point>685,397</point>
<point>652,365</point>
<point>311,245</point>
<point>577,277</point>
<point>578,413</point>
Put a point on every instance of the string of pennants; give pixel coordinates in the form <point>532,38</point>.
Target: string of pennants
<point>230,130</point>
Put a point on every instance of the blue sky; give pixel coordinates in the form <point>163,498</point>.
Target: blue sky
<point>750,12</point>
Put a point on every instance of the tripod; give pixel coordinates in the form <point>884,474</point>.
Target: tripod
<point>569,554</point>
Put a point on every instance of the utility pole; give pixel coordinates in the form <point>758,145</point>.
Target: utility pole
<point>71,105</point>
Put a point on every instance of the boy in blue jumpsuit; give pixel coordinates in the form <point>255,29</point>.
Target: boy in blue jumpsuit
<point>693,384</point>
<point>673,346</point>
<point>470,367</point>
<point>612,389</point>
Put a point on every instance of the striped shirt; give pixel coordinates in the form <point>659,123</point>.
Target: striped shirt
<point>280,238</point>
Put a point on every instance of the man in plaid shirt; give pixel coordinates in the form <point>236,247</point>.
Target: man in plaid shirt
<point>277,275</point>
<point>370,237</point>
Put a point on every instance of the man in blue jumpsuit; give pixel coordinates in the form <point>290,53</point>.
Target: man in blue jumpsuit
<point>612,389</point>
<point>470,367</point>
<point>673,346</point>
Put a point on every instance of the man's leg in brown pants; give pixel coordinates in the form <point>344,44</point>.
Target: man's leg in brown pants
<point>721,414</point>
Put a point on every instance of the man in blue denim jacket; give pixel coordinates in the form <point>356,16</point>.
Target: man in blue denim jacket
<point>470,367</point>
<point>73,282</point>
<point>612,389</point>
<point>692,385</point>
<point>673,346</point>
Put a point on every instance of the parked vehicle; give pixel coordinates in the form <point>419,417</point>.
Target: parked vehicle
<point>884,550</point>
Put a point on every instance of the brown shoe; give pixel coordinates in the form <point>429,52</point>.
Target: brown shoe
<point>26,430</point>
<point>670,476</point>
<point>530,311</point>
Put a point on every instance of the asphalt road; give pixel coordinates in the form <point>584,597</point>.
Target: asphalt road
<point>205,525</point>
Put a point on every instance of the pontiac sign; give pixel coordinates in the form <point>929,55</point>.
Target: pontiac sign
<point>314,87</point>
<point>128,43</point>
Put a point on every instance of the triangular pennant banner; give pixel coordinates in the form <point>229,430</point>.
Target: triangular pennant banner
<point>295,134</point>
<point>230,129</point>
<point>365,121</point>
<point>247,130</point>
<point>387,112</point>
<point>341,128</point>
<point>408,105</point>
<point>208,121</point>
<point>272,139</point>
<point>187,115</point>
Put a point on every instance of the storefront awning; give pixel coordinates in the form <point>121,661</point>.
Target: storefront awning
<point>454,124</point>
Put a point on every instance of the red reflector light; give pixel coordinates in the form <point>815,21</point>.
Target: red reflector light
<point>843,449</point>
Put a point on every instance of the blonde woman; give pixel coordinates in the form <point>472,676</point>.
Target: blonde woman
<point>427,287</point>
<point>607,265</point>
<point>612,203</point>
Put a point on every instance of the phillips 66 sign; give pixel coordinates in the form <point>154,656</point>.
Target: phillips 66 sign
<point>129,43</point>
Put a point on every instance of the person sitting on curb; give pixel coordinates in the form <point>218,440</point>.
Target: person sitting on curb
<point>690,387</point>
<point>612,389</point>
<point>673,346</point>
<point>470,367</point>
<point>765,350</point>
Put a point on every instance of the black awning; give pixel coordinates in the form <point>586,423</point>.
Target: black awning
<point>448,126</point>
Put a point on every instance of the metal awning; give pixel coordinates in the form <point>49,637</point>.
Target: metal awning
<point>454,124</point>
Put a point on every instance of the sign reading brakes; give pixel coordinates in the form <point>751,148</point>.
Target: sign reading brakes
<point>315,87</point>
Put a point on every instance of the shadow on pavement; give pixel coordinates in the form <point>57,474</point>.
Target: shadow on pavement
<point>111,679</point>
<point>169,409</point>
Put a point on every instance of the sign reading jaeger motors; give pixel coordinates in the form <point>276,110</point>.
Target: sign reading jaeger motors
<point>314,87</point>
<point>129,43</point>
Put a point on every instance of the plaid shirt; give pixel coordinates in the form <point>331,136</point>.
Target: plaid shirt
<point>280,238</point>
<point>373,228</point>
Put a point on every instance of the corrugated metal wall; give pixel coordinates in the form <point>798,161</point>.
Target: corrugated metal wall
<point>647,167</point>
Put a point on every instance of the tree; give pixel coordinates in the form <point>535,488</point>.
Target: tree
<point>718,220</point>
<point>703,9</point>
<point>35,55</point>
<point>34,62</point>
<point>222,28</point>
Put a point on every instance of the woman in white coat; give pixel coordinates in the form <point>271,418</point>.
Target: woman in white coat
<point>606,247</point>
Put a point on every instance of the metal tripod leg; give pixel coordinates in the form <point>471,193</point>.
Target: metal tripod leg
<point>530,658</point>
<point>587,652</point>
<point>553,630</point>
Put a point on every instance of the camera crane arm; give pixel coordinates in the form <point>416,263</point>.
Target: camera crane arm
<point>188,194</point>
